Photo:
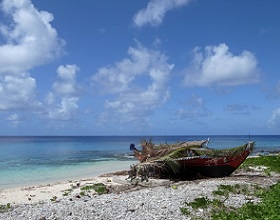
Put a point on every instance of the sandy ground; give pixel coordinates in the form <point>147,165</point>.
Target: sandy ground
<point>115,182</point>
<point>44,191</point>
<point>40,193</point>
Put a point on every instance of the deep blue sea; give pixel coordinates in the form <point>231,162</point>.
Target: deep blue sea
<point>30,160</point>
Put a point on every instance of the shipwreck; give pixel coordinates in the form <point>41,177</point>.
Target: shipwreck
<point>186,160</point>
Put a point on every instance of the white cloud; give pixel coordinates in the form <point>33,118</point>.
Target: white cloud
<point>274,120</point>
<point>31,40</point>
<point>62,102</point>
<point>67,80</point>
<point>218,66</point>
<point>50,98</point>
<point>155,11</point>
<point>14,120</point>
<point>66,110</point>
<point>17,92</point>
<point>140,83</point>
<point>117,78</point>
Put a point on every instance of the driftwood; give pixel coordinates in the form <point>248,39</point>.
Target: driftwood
<point>151,152</point>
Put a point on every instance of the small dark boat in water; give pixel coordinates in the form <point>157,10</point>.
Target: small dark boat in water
<point>192,162</point>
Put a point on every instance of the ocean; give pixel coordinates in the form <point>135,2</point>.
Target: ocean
<point>26,161</point>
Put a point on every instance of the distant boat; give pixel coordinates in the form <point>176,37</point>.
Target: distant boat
<point>193,162</point>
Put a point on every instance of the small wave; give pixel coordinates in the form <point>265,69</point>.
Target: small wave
<point>130,156</point>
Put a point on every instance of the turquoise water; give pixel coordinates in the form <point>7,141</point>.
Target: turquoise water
<point>32,160</point>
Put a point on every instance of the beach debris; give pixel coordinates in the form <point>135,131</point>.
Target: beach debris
<point>54,199</point>
<point>186,160</point>
<point>67,192</point>
<point>4,208</point>
<point>151,152</point>
<point>154,169</point>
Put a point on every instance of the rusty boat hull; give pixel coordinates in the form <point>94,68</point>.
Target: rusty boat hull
<point>209,166</point>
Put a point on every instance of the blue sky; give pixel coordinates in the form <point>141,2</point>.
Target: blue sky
<point>149,67</point>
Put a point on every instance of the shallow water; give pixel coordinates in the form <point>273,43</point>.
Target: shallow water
<point>33,160</point>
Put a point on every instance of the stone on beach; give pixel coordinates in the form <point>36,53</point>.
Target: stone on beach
<point>156,199</point>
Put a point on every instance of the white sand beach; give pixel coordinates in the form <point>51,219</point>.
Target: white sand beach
<point>41,193</point>
<point>35,192</point>
<point>155,199</point>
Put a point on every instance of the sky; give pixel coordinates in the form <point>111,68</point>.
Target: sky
<point>139,67</point>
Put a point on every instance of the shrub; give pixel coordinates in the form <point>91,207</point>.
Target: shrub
<point>100,188</point>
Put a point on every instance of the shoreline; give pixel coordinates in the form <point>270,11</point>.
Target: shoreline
<point>41,191</point>
<point>110,173</point>
<point>116,178</point>
<point>157,198</point>
<point>79,172</point>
